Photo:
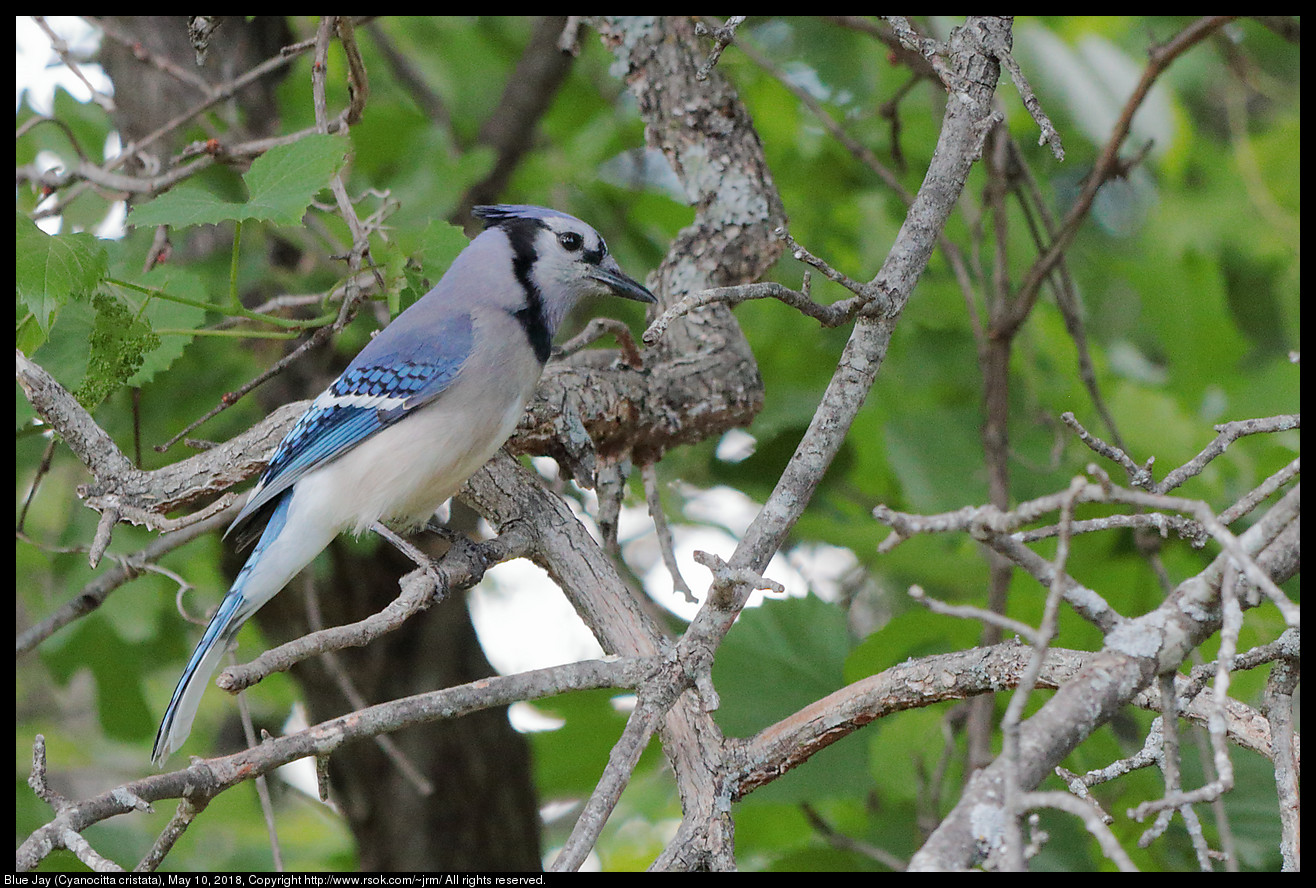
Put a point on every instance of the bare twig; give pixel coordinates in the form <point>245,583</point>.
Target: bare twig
<point>1279,711</point>
<point>204,779</point>
<point>994,42</point>
<point>1091,818</point>
<point>1227,433</point>
<point>127,567</point>
<point>1107,163</point>
<point>461,568</point>
<point>342,677</point>
<point>625,755</point>
<point>596,329</point>
<point>722,35</point>
<point>866,348</point>
<point>649,473</point>
<point>988,521</point>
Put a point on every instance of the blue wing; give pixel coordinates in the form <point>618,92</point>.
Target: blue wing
<point>392,376</point>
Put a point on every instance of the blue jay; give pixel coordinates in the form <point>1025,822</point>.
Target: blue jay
<point>425,404</point>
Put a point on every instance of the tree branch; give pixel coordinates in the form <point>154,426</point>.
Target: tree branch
<point>1132,656</point>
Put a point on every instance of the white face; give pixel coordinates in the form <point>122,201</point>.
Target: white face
<point>572,259</point>
<point>567,251</point>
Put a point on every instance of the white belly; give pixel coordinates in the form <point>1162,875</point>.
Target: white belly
<point>405,472</point>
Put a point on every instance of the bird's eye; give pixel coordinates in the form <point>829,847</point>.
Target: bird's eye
<point>570,241</point>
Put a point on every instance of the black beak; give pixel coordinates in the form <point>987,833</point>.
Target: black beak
<point>609,273</point>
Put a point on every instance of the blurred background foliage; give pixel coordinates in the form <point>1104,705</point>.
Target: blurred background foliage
<point>1189,279</point>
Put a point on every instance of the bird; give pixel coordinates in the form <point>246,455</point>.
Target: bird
<point>422,407</point>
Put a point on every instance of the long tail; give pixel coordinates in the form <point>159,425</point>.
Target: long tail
<point>276,559</point>
<point>177,722</point>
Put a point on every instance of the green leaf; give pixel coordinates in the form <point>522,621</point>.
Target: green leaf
<point>51,270</point>
<point>28,335</point>
<point>777,659</point>
<point>284,179</point>
<point>118,347</point>
<point>164,314</point>
<point>115,665</point>
<point>188,204</point>
<point>569,759</point>
<point>916,633</point>
<point>280,185</point>
<point>438,244</point>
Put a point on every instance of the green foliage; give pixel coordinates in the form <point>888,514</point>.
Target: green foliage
<point>50,271</point>
<point>784,655</point>
<point>280,185</point>
<point>122,709</point>
<point>1188,273</point>
<point>118,344</point>
<point>568,760</point>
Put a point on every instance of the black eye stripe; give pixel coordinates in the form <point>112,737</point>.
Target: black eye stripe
<point>574,241</point>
